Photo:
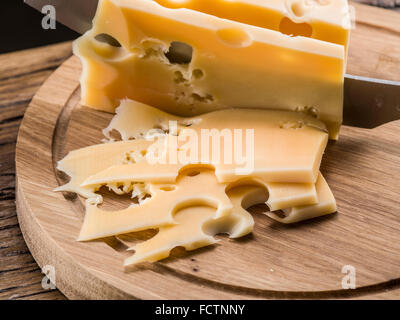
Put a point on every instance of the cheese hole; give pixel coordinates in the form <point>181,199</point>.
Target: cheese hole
<point>292,125</point>
<point>179,53</point>
<point>234,37</point>
<point>205,99</point>
<point>177,252</point>
<point>106,38</point>
<point>146,196</point>
<point>197,74</point>
<point>298,9</point>
<point>291,28</point>
<point>281,214</point>
<point>193,173</point>
<point>179,77</point>
<point>311,111</point>
<point>168,188</point>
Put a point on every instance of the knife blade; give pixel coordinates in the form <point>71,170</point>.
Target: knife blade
<point>368,102</point>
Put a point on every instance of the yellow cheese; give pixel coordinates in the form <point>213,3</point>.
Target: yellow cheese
<point>287,147</point>
<point>81,164</point>
<point>166,200</point>
<point>194,187</point>
<point>326,205</point>
<point>187,233</point>
<point>196,226</point>
<point>188,63</point>
<point>327,20</point>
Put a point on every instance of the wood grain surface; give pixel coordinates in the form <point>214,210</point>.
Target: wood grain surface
<point>23,72</point>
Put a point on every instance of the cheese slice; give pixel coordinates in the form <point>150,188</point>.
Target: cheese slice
<point>187,233</point>
<point>285,147</point>
<point>82,163</point>
<point>230,64</point>
<point>282,195</point>
<point>326,205</point>
<point>327,20</point>
<point>192,188</point>
<point>196,227</point>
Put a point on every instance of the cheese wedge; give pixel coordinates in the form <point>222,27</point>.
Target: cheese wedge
<point>188,63</point>
<point>326,205</point>
<point>327,20</point>
<point>196,227</point>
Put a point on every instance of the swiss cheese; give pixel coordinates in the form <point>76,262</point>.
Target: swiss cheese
<point>80,164</point>
<point>188,63</point>
<point>158,210</point>
<point>326,205</point>
<point>285,146</point>
<point>327,20</point>
<point>196,227</point>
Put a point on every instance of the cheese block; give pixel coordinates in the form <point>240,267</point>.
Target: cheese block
<point>196,226</point>
<point>327,20</point>
<point>191,189</point>
<point>188,63</point>
<point>326,205</point>
<point>281,147</point>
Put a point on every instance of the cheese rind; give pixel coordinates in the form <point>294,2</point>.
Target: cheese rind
<point>228,67</point>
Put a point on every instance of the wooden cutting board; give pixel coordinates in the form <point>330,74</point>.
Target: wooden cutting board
<point>277,261</point>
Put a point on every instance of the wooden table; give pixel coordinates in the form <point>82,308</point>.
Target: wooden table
<point>21,74</point>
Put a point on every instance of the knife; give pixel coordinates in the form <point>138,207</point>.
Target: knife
<point>368,102</point>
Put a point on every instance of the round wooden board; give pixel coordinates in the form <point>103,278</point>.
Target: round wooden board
<point>298,261</point>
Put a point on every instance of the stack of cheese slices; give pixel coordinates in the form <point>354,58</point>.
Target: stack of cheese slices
<point>220,105</point>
